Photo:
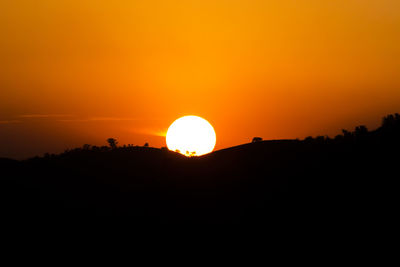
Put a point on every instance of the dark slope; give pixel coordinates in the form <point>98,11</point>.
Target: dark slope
<point>249,183</point>
<point>144,182</point>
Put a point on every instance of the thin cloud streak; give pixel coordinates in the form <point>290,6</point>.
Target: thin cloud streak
<point>161,133</point>
<point>112,119</point>
<point>100,119</point>
<point>29,116</point>
<point>106,119</point>
<point>10,121</point>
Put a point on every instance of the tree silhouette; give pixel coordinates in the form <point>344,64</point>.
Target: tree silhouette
<point>320,139</point>
<point>391,121</point>
<point>388,121</point>
<point>347,135</point>
<point>338,138</point>
<point>146,145</point>
<point>86,147</point>
<point>309,139</point>
<point>112,142</point>
<point>360,131</point>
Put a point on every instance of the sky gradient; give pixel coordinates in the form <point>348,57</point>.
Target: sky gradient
<point>76,72</point>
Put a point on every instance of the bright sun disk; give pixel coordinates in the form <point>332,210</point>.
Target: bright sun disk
<point>191,135</point>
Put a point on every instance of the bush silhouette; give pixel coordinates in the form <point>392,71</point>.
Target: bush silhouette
<point>256,139</point>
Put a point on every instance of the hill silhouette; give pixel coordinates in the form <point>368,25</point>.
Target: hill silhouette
<point>253,182</point>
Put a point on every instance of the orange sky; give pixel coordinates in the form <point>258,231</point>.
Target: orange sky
<point>75,72</point>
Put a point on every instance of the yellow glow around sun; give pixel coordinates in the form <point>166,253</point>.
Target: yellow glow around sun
<point>191,135</point>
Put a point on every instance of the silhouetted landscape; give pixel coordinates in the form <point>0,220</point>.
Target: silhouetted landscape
<point>248,183</point>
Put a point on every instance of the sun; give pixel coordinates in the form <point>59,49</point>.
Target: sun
<point>191,136</point>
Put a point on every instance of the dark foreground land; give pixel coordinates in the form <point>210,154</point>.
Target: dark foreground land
<point>248,183</point>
